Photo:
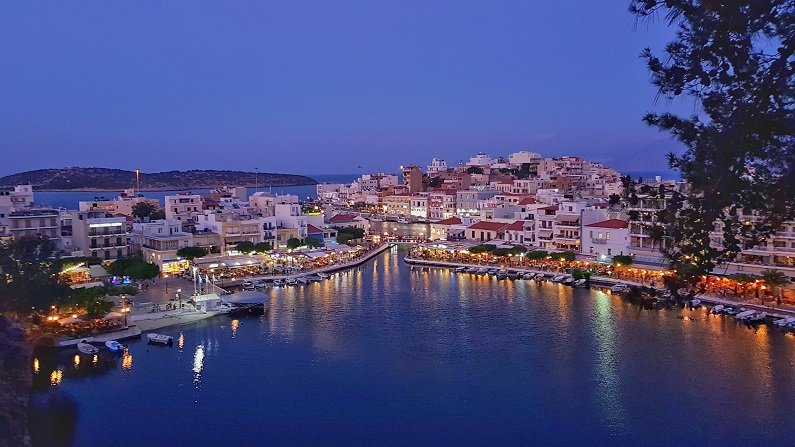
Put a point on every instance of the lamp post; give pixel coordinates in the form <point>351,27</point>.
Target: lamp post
<point>179,298</point>
<point>124,308</point>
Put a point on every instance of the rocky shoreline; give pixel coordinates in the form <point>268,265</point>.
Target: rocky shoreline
<point>15,384</point>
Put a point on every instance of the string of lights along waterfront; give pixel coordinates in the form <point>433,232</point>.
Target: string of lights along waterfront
<point>387,354</point>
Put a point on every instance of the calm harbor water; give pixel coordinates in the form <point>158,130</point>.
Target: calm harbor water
<point>69,199</point>
<point>392,355</point>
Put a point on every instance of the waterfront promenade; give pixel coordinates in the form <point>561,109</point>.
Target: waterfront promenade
<point>778,311</point>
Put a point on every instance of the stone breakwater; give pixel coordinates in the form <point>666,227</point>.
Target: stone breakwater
<point>15,384</point>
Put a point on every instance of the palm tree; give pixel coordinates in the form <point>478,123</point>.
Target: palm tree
<point>775,279</point>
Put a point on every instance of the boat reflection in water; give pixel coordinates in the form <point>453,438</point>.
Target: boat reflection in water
<point>450,359</point>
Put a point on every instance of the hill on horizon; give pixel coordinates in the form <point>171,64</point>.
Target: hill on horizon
<point>107,179</point>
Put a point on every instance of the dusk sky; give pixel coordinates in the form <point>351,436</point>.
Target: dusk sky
<point>324,87</point>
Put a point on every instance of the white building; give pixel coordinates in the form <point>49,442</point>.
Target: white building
<point>183,207</point>
<point>158,242</point>
<point>606,238</point>
<point>97,234</point>
<point>17,198</point>
<point>437,165</point>
<point>481,160</point>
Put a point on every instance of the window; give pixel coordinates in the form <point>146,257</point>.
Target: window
<point>607,236</point>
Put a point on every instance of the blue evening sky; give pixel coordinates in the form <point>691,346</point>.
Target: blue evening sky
<point>322,87</point>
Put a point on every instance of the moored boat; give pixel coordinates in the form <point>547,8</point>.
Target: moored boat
<point>569,280</point>
<point>784,321</point>
<point>114,346</point>
<point>558,278</point>
<point>579,283</point>
<point>717,309</point>
<point>86,348</point>
<point>460,269</point>
<point>160,339</point>
<point>322,275</point>
<point>745,314</point>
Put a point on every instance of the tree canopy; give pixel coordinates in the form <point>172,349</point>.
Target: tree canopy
<point>734,59</point>
<point>245,247</point>
<point>313,242</point>
<point>621,260</point>
<point>145,209</point>
<point>191,253</point>
<point>135,268</point>
<point>293,243</point>
<point>263,247</point>
<point>29,276</point>
<point>347,234</point>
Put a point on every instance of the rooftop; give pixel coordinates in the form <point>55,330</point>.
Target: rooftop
<point>610,223</point>
<point>488,226</point>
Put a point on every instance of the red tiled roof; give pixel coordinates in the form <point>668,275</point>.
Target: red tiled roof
<point>341,218</point>
<point>448,221</point>
<point>601,205</point>
<point>516,226</point>
<point>313,229</point>
<point>610,223</point>
<point>488,226</point>
<point>550,208</point>
<point>527,201</point>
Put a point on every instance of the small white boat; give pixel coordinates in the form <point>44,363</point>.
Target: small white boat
<point>278,282</point>
<point>695,303</point>
<point>717,309</point>
<point>579,283</point>
<point>529,276</point>
<point>86,348</point>
<point>460,269</point>
<point>114,346</point>
<point>323,275</point>
<point>302,280</point>
<point>784,321</point>
<point>745,314</point>
<point>376,219</point>
<point>403,220</point>
<point>558,278</point>
<point>291,282</point>
<point>160,339</point>
<point>568,280</point>
<point>483,271</point>
<point>733,310</point>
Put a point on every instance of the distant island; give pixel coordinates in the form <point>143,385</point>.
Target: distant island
<point>105,179</point>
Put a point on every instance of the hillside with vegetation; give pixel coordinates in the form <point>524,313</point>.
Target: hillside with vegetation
<point>102,179</point>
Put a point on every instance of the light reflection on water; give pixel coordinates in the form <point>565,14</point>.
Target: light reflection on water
<point>451,358</point>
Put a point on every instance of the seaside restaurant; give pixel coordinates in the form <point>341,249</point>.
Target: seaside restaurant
<point>229,266</point>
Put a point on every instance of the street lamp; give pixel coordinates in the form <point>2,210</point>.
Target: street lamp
<point>124,308</point>
<point>179,298</point>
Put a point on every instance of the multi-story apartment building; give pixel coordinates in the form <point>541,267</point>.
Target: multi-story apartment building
<point>233,229</point>
<point>441,204</point>
<point>469,202</point>
<point>437,166</point>
<point>397,204</point>
<point>566,226</point>
<point>419,205</point>
<point>16,198</point>
<point>183,207</point>
<point>34,222</point>
<point>158,242</point>
<point>412,178</point>
<point>99,234</point>
<point>777,251</point>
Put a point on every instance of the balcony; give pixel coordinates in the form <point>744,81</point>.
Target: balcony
<point>599,241</point>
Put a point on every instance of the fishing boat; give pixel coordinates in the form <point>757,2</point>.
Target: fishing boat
<point>85,348</point>
<point>529,276</point>
<point>568,280</point>
<point>376,219</point>
<point>784,321</point>
<point>558,278</point>
<point>502,274</point>
<point>160,339</point>
<point>513,275</point>
<point>291,282</point>
<point>483,271</point>
<point>717,309</point>
<point>757,317</point>
<point>302,280</point>
<point>460,269</point>
<point>579,283</point>
<point>695,303</point>
<point>322,275</point>
<point>278,282</point>
<point>492,272</point>
<point>403,220</point>
<point>314,278</point>
<point>114,346</point>
<point>733,310</point>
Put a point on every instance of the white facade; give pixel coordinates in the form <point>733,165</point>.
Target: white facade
<point>605,239</point>
<point>518,158</point>
<point>481,159</point>
<point>437,165</point>
<point>183,207</point>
